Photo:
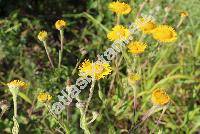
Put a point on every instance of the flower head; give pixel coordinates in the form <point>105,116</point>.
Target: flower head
<point>137,47</point>
<point>164,33</point>
<point>44,97</point>
<point>160,97</point>
<point>132,78</point>
<point>118,32</point>
<point>60,24</point>
<point>17,84</point>
<point>145,25</point>
<point>97,70</point>
<point>119,7</point>
<point>42,36</point>
<point>184,14</point>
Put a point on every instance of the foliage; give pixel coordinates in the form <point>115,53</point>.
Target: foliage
<point>174,67</point>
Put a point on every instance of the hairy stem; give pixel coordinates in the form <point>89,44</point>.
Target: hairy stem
<point>61,47</point>
<point>45,46</point>
<point>64,127</point>
<point>90,95</point>
<point>15,105</point>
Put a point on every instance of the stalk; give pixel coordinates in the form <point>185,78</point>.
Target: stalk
<point>118,19</point>
<point>61,47</point>
<point>15,105</point>
<point>90,95</point>
<point>64,127</point>
<point>45,46</point>
<point>180,22</point>
<point>15,129</point>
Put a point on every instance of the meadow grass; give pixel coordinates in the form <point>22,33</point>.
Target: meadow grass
<point>112,109</point>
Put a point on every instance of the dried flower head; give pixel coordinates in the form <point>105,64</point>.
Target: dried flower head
<point>97,70</point>
<point>184,14</point>
<point>119,7</point>
<point>60,24</point>
<point>145,25</point>
<point>42,36</point>
<point>118,32</point>
<point>133,78</point>
<point>160,97</point>
<point>4,105</point>
<point>164,33</point>
<point>44,97</point>
<point>137,47</point>
<point>17,84</point>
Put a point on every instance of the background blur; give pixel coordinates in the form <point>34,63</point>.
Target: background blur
<point>23,57</point>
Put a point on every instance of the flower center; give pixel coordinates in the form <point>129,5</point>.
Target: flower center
<point>149,26</point>
<point>165,34</point>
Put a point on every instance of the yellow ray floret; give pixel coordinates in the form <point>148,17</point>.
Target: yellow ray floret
<point>44,97</point>
<point>145,25</point>
<point>160,97</point>
<point>137,47</point>
<point>119,7</point>
<point>97,70</point>
<point>164,33</point>
<point>42,36</point>
<point>60,24</point>
<point>118,32</point>
<point>17,84</point>
<point>133,78</point>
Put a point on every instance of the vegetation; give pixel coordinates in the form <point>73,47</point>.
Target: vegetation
<point>152,85</point>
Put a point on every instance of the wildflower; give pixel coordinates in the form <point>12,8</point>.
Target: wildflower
<point>17,84</point>
<point>145,25</point>
<point>60,24</point>
<point>42,36</point>
<point>184,14</point>
<point>119,7</point>
<point>44,97</point>
<point>118,32</point>
<point>164,33</point>
<point>97,70</point>
<point>137,47</point>
<point>160,97</point>
<point>14,87</point>
<point>132,78</point>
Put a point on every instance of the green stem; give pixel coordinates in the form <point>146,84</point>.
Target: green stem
<point>118,19</point>
<point>45,46</point>
<point>95,21</point>
<point>15,105</point>
<point>83,123</point>
<point>90,95</point>
<point>135,100</point>
<point>15,129</point>
<point>61,47</point>
<point>64,127</point>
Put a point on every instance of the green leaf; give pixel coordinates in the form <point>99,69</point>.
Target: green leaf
<point>25,97</point>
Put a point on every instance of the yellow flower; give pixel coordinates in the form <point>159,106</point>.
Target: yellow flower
<point>164,33</point>
<point>44,97</point>
<point>60,24</point>
<point>184,14</point>
<point>97,70</point>
<point>137,47</point>
<point>119,7</point>
<point>132,78</point>
<point>42,36</point>
<point>145,25</point>
<point>17,84</point>
<point>160,97</point>
<point>118,32</point>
